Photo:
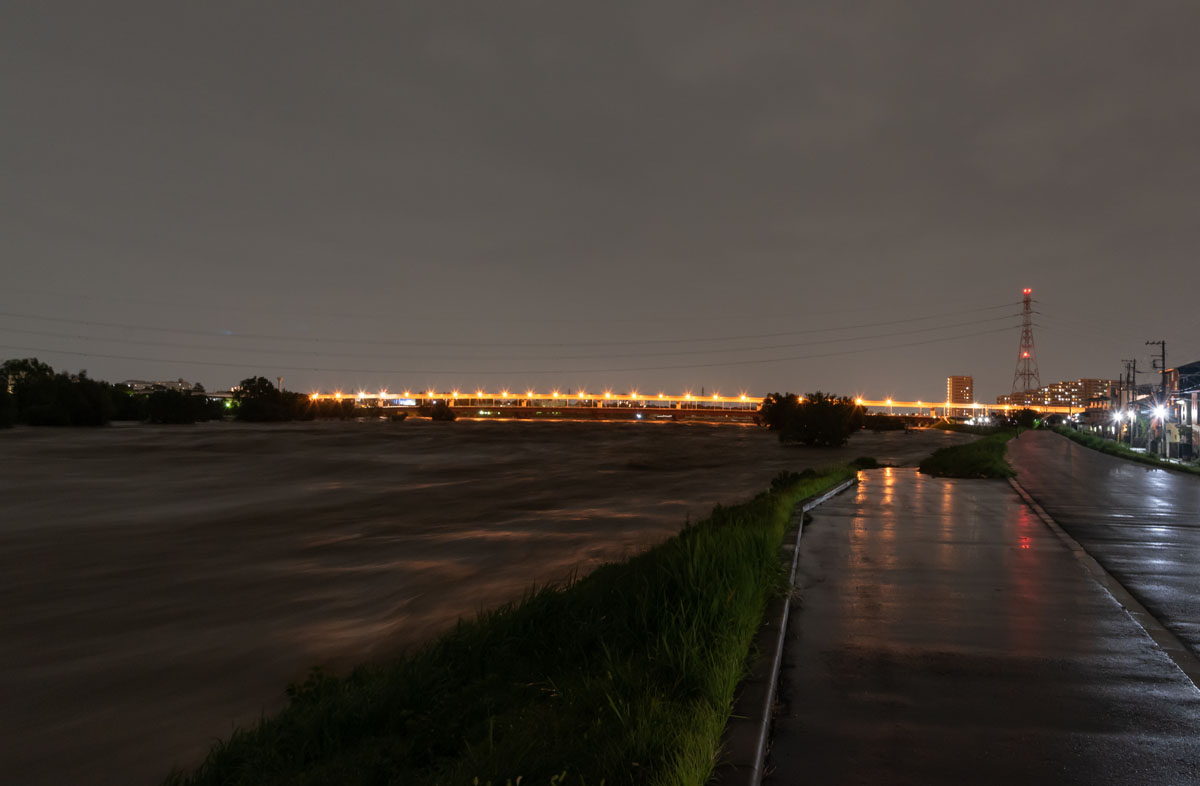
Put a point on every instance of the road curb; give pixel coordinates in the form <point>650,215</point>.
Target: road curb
<point>744,743</point>
<point>1167,641</point>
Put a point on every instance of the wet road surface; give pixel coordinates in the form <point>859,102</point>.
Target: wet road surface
<point>1142,524</point>
<point>160,584</point>
<point>944,635</point>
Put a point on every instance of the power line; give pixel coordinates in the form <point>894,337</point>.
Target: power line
<point>403,342</point>
<point>378,356</point>
<point>464,372</point>
<point>391,316</point>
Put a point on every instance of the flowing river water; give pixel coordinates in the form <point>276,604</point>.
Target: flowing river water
<point>162,584</point>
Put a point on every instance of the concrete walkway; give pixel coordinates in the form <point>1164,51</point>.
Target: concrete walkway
<point>944,635</point>
<point>1141,523</point>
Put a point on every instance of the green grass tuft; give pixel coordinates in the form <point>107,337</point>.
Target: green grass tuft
<point>626,676</point>
<point>983,458</point>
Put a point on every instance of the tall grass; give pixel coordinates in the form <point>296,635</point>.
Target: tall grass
<point>983,458</point>
<point>1113,448</point>
<point>626,676</point>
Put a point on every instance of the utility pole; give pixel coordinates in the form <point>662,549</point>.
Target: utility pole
<point>1132,398</point>
<point>1122,404</point>
<point>1161,365</point>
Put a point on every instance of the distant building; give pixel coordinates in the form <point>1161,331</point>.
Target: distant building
<point>960,390</point>
<point>1183,383</point>
<point>145,386</point>
<point>1077,394</point>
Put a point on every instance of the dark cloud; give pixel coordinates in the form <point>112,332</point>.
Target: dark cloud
<point>573,174</point>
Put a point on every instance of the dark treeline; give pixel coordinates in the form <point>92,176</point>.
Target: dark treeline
<point>34,394</point>
<point>258,400</point>
<point>818,419</point>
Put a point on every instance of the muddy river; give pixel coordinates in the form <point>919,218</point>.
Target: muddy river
<point>161,584</point>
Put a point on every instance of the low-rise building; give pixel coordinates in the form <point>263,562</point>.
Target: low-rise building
<point>1077,394</point>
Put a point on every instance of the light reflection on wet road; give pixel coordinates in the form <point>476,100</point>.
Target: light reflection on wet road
<point>161,584</point>
<point>944,635</point>
<point>1142,524</point>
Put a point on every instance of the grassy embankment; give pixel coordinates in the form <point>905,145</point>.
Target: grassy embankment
<point>983,458</point>
<point>626,676</point>
<point>1113,448</point>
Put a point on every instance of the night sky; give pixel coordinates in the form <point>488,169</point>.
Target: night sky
<point>739,197</point>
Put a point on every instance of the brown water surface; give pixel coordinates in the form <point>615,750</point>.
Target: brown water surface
<point>161,584</point>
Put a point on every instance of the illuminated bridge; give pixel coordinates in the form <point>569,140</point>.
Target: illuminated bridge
<point>531,403</point>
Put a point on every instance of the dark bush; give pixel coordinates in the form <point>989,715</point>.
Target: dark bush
<point>823,420</point>
<point>8,409</point>
<point>442,411</point>
<point>777,410</point>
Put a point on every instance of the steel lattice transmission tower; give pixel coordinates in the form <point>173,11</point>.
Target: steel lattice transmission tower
<point>1026,376</point>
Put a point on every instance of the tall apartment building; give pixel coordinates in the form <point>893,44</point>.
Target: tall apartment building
<point>960,390</point>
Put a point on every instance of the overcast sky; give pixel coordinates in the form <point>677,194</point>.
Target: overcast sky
<point>736,196</point>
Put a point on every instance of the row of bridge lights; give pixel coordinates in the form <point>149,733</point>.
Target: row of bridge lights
<point>607,394</point>
<point>528,394</point>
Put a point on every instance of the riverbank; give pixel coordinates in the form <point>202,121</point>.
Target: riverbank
<point>624,677</point>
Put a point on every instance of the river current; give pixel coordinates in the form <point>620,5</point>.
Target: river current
<point>161,584</point>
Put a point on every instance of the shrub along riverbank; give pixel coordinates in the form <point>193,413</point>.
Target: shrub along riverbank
<point>983,458</point>
<point>626,676</point>
<point>1113,448</point>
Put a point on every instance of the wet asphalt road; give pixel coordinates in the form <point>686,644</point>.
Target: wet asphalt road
<point>944,635</point>
<point>1142,524</point>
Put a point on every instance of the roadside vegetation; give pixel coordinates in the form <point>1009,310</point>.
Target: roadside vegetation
<point>626,676</point>
<point>983,458</point>
<point>1113,448</point>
